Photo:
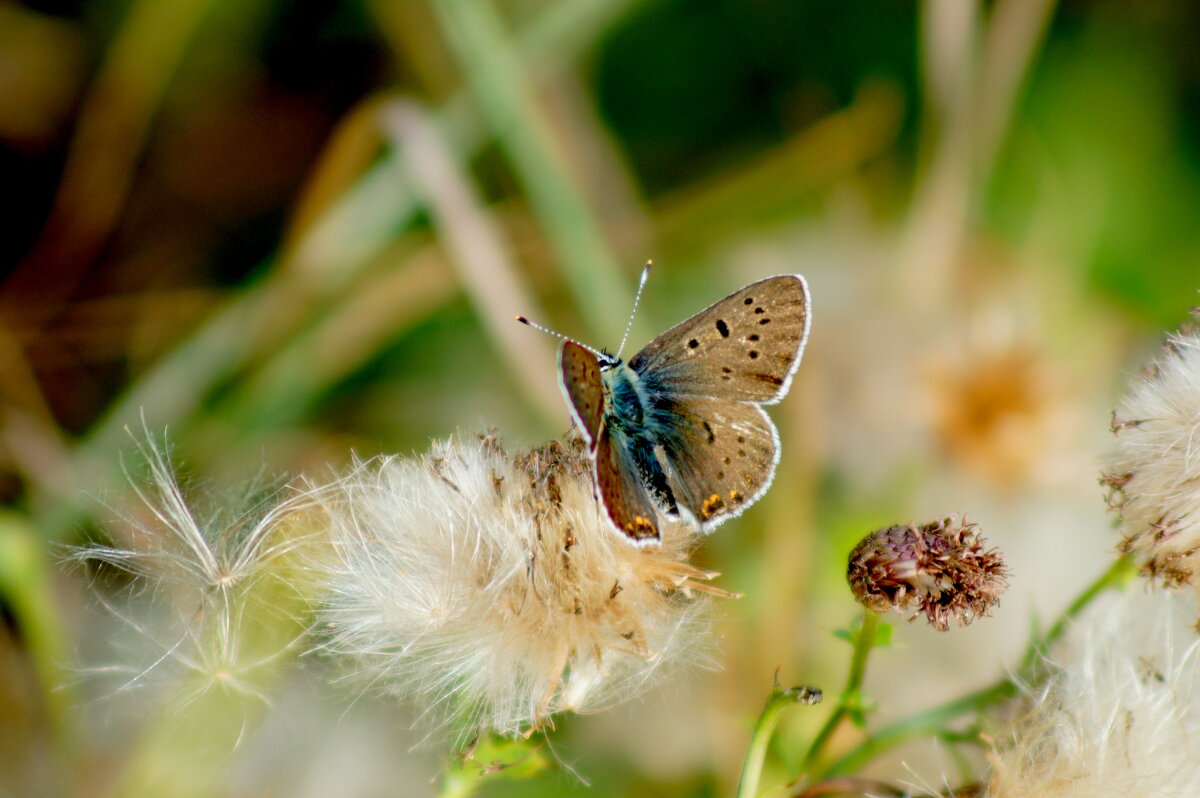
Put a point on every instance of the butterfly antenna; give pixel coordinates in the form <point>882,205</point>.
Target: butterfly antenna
<point>555,333</point>
<point>636,299</point>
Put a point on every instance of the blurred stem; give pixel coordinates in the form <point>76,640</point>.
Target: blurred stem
<point>756,752</point>
<point>934,721</point>
<point>851,695</point>
<point>378,310</point>
<point>328,255</point>
<point>478,250</point>
<point>114,117</point>
<point>1013,38</point>
<point>497,79</point>
<point>26,589</point>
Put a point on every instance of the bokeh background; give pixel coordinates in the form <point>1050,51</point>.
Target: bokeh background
<point>288,232</point>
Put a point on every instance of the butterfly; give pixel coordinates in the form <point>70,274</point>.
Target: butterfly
<point>679,430</point>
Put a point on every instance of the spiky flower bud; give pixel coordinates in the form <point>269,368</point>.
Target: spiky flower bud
<point>485,586</point>
<point>1153,477</point>
<point>941,569</point>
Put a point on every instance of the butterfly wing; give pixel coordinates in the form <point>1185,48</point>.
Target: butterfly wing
<point>579,377</point>
<point>701,383</point>
<point>720,455</point>
<point>745,347</point>
<point>622,490</point>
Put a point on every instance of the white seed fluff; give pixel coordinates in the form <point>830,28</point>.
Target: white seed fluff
<point>1120,714</point>
<point>213,599</point>
<point>485,588</point>
<point>1154,473</point>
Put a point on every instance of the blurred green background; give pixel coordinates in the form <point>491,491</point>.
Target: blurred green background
<point>288,232</point>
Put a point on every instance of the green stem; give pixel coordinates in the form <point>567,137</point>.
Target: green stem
<point>756,752</point>
<point>934,720</point>
<point>1117,574</point>
<point>863,643</point>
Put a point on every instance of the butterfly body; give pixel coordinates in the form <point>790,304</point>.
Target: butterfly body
<point>678,430</point>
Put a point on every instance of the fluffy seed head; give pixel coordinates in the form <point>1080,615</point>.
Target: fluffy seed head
<point>1119,714</point>
<point>1153,477</point>
<point>484,586</point>
<point>941,569</point>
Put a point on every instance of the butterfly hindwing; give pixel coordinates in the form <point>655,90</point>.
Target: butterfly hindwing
<point>720,455</point>
<point>744,347</point>
<point>623,493</point>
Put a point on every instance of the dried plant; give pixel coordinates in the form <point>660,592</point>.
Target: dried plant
<point>486,587</point>
<point>1119,713</point>
<point>941,569</point>
<point>1153,476</point>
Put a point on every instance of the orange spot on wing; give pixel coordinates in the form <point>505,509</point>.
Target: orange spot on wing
<point>712,505</point>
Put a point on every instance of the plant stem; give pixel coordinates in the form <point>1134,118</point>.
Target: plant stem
<point>863,643</point>
<point>756,752</point>
<point>933,720</point>
<point>1117,574</point>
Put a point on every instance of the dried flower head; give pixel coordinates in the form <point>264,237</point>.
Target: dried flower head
<point>485,587</point>
<point>1119,714</point>
<point>941,569</point>
<point>1153,477</point>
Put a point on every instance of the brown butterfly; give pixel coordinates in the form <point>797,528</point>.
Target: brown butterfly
<point>679,429</point>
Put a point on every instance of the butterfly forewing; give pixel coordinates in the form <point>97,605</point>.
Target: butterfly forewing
<point>621,489</point>
<point>745,347</point>
<point>579,376</point>
<point>721,455</point>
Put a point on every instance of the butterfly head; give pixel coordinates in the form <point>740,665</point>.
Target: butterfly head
<point>607,361</point>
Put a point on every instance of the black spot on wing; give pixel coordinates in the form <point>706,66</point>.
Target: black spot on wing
<point>723,328</point>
